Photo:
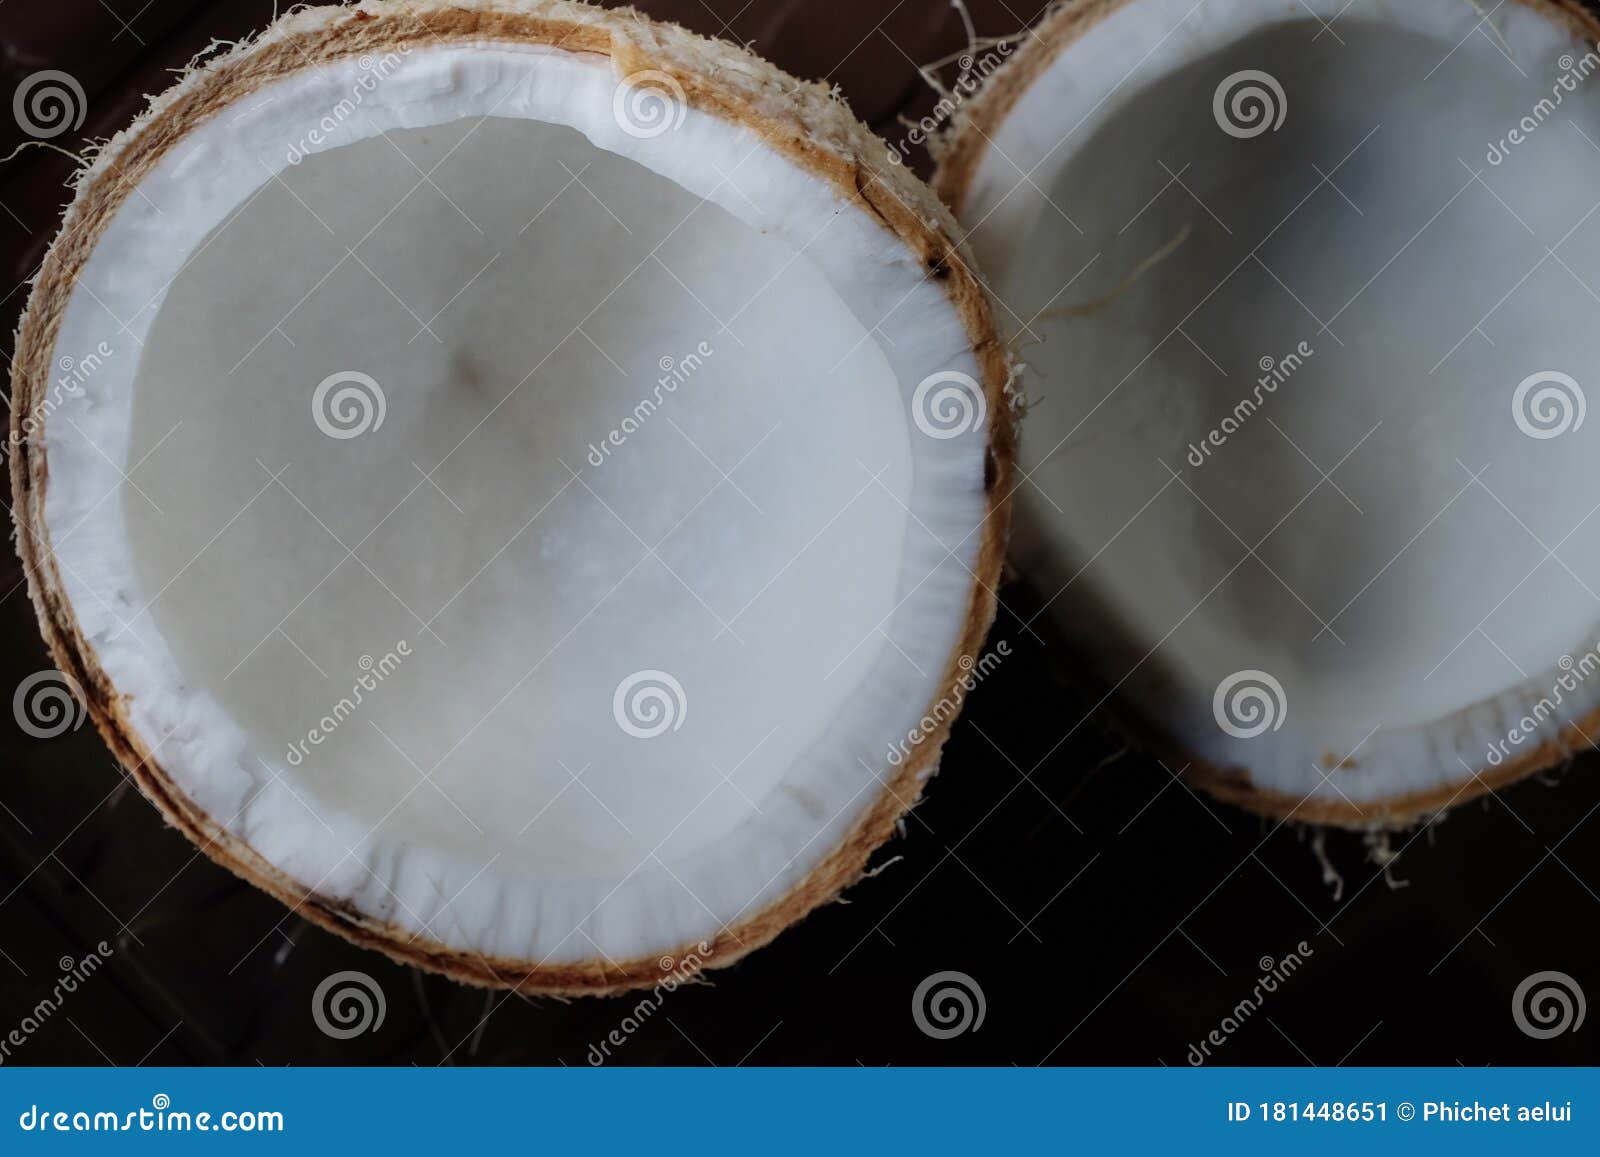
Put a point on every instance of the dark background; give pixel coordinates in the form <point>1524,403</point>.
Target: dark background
<point>1109,914</point>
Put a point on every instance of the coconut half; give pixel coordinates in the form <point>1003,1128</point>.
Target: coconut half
<point>1307,295</point>
<point>537,490</point>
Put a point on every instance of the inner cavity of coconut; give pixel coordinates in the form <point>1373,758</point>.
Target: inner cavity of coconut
<point>530,547</point>
<point>555,473</point>
<point>1298,444</point>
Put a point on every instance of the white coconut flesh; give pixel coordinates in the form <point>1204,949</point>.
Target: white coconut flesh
<point>521,666</point>
<point>1361,567</point>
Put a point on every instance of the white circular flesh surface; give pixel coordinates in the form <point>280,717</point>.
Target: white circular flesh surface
<point>515,560</point>
<point>497,497</point>
<point>1293,444</point>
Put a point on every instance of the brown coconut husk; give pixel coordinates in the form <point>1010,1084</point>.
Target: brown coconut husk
<point>803,122</point>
